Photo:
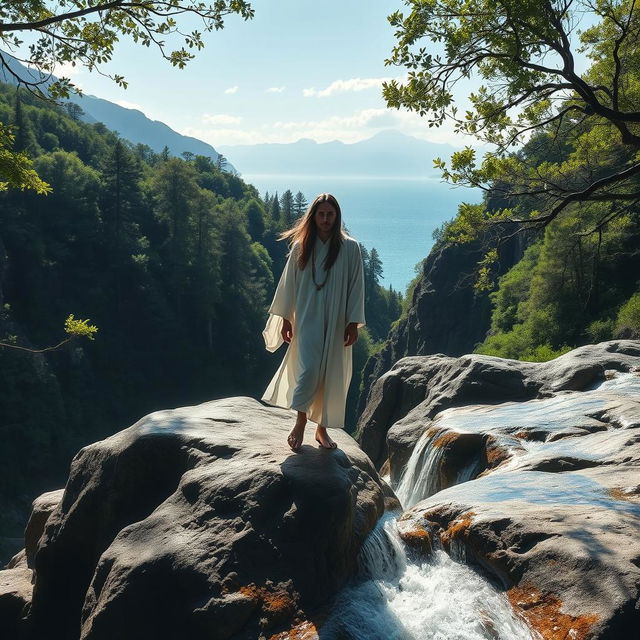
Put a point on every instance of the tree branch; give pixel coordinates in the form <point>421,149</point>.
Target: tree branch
<point>29,26</point>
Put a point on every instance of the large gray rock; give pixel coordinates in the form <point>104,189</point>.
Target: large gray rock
<point>553,513</point>
<point>446,313</point>
<point>15,598</point>
<point>201,522</point>
<point>41,508</point>
<point>566,547</point>
<point>416,389</point>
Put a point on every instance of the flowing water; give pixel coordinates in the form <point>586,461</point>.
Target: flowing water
<point>398,595</point>
<point>422,475</point>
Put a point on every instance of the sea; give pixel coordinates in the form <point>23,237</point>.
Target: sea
<point>397,216</point>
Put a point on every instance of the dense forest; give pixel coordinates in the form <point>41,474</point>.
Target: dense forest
<point>174,259</point>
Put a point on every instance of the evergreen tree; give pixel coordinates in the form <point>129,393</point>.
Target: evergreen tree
<point>121,200</point>
<point>286,208</point>
<point>207,268</point>
<point>221,162</point>
<point>375,266</point>
<point>274,210</point>
<point>175,187</point>
<point>255,219</point>
<point>74,110</point>
<point>24,138</point>
<point>300,204</point>
<point>121,175</point>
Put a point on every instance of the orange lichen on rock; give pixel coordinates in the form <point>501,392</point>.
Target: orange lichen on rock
<point>417,537</point>
<point>628,494</point>
<point>304,631</point>
<point>276,602</point>
<point>523,435</point>
<point>543,615</point>
<point>457,528</point>
<point>496,455</point>
<point>430,432</point>
<point>445,440</point>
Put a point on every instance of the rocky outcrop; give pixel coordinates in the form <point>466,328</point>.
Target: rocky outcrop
<point>405,399</point>
<point>542,494</point>
<point>41,509</point>
<point>201,522</point>
<point>16,581</point>
<point>15,598</point>
<point>565,548</point>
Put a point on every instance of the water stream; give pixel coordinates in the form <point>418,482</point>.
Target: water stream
<point>422,475</point>
<point>398,595</point>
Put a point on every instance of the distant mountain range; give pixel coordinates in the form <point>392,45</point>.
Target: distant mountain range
<point>131,124</point>
<point>388,153</point>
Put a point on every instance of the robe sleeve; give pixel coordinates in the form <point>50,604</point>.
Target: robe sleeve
<point>355,290</point>
<point>283,304</point>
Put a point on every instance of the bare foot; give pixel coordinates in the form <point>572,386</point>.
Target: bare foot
<point>323,438</point>
<point>297,434</point>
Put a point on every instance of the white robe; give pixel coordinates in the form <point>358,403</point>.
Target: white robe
<point>315,373</point>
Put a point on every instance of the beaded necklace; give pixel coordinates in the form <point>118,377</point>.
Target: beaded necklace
<point>313,271</point>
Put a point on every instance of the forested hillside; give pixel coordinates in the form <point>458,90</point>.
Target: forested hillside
<point>579,280</point>
<point>172,258</point>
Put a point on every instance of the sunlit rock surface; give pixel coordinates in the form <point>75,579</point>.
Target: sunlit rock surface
<point>15,598</point>
<point>42,507</point>
<point>543,495</point>
<point>406,398</point>
<point>16,581</point>
<point>201,522</point>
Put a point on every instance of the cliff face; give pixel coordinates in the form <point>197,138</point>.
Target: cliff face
<point>446,315</point>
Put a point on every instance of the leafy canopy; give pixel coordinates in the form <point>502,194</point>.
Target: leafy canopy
<point>581,128</point>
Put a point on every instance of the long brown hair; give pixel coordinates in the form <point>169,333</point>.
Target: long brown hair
<point>304,232</point>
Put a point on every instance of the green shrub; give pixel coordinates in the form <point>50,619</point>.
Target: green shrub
<point>600,330</point>
<point>544,353</point>
<point>628,321</point>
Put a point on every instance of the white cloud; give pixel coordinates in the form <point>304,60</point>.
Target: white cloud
<point>342,86</point>
<point>218,136</point>
<point>68,70</point>
<point>275,90</point>
<point>129,105</point>
<point>232,90</point>
<point>220,118</point>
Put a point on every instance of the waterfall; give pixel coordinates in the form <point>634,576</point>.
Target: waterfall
<point>422,476</point>
<point>396,597</point>
<point>400,595</point>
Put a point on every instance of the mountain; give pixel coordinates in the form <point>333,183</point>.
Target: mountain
<point>388,153</point>
<point>131,124</point>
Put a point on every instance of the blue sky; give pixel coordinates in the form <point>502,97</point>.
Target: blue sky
<point>298,69</point>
